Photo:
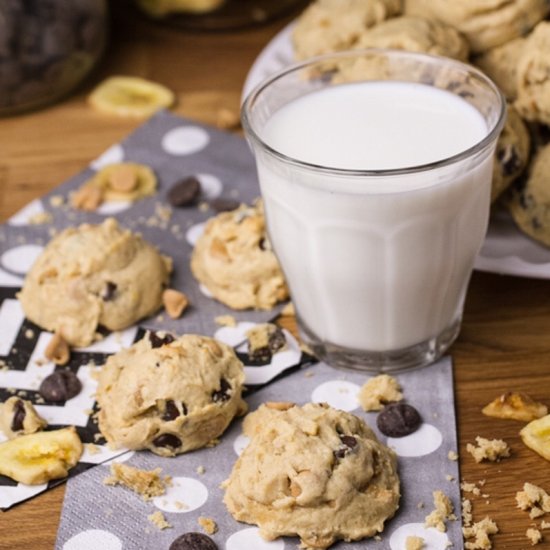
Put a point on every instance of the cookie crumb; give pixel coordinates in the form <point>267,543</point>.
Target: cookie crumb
<point>180,505</point>
<point>534,536</point>
<point>288,310</point>
<point>208,524</point>
<point>467,516</point>
<point>146,483</point>
<point>515,406</point>
<point>159,521</point>
<point>470,488</point>
<point>40,218</point>
<point>452,455</point>
<point>443,511</point>
<point>378,391</point>
<point>414,543</point>
<point>449,477</point>
<point>201,469</point>
<point>92,449</point>
<point>533,499</point>
<point>226,320</point>
<point>29,334</point>
<point>488,449</point>
<point>545,524</point>
<point>57,200</point>
<point>480,532</point>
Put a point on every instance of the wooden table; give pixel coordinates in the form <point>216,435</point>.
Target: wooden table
<point>505,340</point>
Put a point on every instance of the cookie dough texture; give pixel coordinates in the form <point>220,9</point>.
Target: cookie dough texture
<point>529,201</point>
<point>500,64</point>
<point>533,76</point>
<point>172,398</point>
<point>19,417</point>
<point>416,34</point>
<point>333,25</point>
<point>511,154</point>
<point>94,275</point>
<point>315,472</point>
<point>234,261</point>
<point>485,23</point>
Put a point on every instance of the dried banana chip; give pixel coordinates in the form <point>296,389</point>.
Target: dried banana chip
<point>516,406</point>
<point>130,96</point>
<point>36,458</point>
<point>536,435</point>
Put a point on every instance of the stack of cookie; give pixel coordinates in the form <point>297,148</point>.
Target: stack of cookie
<point>509,41</point>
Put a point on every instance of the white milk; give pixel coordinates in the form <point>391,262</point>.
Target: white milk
<point>380,263</point>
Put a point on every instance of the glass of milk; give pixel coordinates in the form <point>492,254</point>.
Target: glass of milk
<point>375,171</point>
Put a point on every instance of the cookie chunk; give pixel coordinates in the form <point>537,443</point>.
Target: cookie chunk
<point>19,417</point>
<point>485,23</point>
<point>234,261</point>
<point>169,395</point>
<point>533,76</point>
<point>529,200</point>
<point>315,472</point>
<point>94,275</point>
<point>511,154</point>
<point>500,64</point>
<point>333,25</point>
<point>416,34</point>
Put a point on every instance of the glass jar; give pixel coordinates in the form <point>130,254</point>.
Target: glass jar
<point>47,48</point>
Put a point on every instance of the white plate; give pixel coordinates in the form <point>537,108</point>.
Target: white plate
<point>506,250</point>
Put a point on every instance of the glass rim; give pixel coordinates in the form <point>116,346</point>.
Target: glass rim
<point>491,135</point>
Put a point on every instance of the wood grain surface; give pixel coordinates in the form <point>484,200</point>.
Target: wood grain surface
<point>505,339</point>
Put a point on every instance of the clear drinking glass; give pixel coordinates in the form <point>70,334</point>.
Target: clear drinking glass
<point>377,260</point>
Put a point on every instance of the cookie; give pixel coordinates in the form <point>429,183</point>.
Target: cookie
<point>94,275</point>
<point>500,65</point>
<point>333,25</point>
<point>313,472</point>
<point>485,23</point>
<point>19,417</point>
<point>234,261</point>
<point>416,34</point>
<point>533,76</point>
<point>169,395</point>
<point>529,200</point>
<point>511,154</point>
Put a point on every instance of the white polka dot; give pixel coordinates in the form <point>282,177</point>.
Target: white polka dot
<point>92,540</point>
<point>233,336</point>
<point>9,280</point>
<point>184,495</point>
<point>113,207</point>
<point>211,186</point>
<point>205,291</point>
<point>240,444</point>
<point>338,394</point>
<point>250,539</point>
<point>27,212</point>
<point>433,539</point>
<point>185,140</point>
<point>113,155</point>
<point>194,232</point>
<point>424,441</point>
<point>21,258</point>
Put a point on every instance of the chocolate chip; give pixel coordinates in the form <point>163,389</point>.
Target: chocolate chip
<point>348,444</point>
<point>109,291</point>
<point>275,342</point>
<point>167,440</point>
<point>193,541</point>
<point>60,386</point>
<point>184,192</point>
<point>222,394</point>
<point>223,205</point>
<point>158,341</point>
<point>18,416</point>
<point>398,420</point>
<point>171,411</point>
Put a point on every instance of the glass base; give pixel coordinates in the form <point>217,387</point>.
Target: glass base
<point>412,357</point>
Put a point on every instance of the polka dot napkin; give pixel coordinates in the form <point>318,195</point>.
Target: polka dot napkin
<point>175,149</point>
<point>112,518</point>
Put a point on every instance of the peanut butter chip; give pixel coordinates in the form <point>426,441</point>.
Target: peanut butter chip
<point>87,198</point>
<point>57,350</point>
<point>279,405</point>
<point>174,302</point>
<point>123,179</point>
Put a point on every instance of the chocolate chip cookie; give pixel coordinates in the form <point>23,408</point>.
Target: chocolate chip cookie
<point>94,275</point>
<point>169,395</point>
<point>234,261</point>
<point>315,472</point>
